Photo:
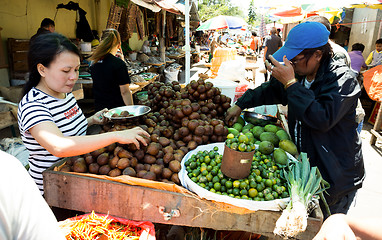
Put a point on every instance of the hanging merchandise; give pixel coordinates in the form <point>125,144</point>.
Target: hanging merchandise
<point>83,30</point>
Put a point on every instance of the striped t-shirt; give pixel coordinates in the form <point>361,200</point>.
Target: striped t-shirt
<point>36,107</point>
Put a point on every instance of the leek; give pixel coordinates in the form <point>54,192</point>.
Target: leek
<point>304,182</point>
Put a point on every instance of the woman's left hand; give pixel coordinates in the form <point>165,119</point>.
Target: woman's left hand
<point>281,72</point>
<point>98,118</point>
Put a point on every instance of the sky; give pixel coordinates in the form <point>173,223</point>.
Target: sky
<point>243,4</point>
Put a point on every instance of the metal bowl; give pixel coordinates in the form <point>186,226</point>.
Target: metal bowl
<point>135,110</point>
<point>258,119</point>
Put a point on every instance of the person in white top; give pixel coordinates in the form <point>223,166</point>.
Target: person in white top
<point>51,124</point>
<point>24,214</point>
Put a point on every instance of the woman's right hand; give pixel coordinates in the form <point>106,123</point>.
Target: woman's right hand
<point>232,114</point>
<point>133,135</point>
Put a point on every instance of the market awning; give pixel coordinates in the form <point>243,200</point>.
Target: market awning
<point>147,4</point>
<point>294,12</point>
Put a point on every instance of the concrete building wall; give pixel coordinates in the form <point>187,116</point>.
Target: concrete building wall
<point>366,32</point>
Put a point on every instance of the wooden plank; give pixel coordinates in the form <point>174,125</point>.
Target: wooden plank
<point>78,91</point>
<point>83,193</point>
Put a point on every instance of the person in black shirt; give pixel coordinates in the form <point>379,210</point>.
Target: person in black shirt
<point>47,26</point>
<point>110,76</point>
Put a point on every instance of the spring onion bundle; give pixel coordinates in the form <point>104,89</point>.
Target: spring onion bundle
<point>304,182</point>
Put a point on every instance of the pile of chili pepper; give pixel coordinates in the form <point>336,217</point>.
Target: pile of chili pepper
<point>94,227</point>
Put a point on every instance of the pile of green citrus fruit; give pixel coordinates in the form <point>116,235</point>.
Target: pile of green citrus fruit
<point>244,137</point>
<point>263,184</point>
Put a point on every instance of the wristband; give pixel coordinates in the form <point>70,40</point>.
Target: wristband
<point>289,83</point>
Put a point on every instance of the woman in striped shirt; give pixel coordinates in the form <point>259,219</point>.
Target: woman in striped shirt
<point>51,124</point>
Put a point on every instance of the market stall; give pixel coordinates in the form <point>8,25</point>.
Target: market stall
<point>180,178</point>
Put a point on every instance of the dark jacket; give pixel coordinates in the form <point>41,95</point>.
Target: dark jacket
<point>39,32</point>
<point>322,123</point>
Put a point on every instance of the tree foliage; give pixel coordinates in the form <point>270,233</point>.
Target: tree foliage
<point>211,8</point>
<point>251,12</point>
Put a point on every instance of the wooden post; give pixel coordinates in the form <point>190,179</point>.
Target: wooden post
<point>162,46</point>
<point>377,126</point>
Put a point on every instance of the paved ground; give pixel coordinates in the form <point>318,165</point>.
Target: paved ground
<point>369,197</point>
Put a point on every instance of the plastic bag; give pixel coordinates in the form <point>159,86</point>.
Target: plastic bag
<point>171,74</point>
<point>16,148</point>
<point>221,55</point>
<point>274,205</point>
<point>232,70</point>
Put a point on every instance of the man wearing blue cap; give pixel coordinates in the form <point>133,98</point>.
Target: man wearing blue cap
<point>321,95</point>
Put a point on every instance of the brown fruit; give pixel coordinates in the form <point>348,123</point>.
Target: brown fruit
<point>113,162</point>
<point>104,170</point>
<point>193,124</point>
<point>168,149</point>
<point>166,173</point>
<point>65,168</point>
<point>187,110</point>
<point>175,178</point>
<point>205,139</point>
<point>89,159</point>
<point>226,105</point>
<point>208,85</point>
<point>139,167</point>
<point>160,154</point>
<point>183,131</point>
<point>208,130</point>
<point>117,149</point>
<point>164,141</point>
<point>157,169</point>
<point>199,131</point>
<point>147,166</point>
<point>129,171</point>
<point>194,84</point>
<point>133,162</point>
<point>187,138</point>
<point>123,153</point>
<point>184,149</point>
<point>141,173</point>
<point>123,163</point>
<point>178,156</point>
<point>103,159</point>
<point>149,159</point>
<point>194,115</point>
<point>150,176</point>
<point>154,137</point>
<point>168,157</point>
<point>115,172</point>
<point>111,147</point>
<point>214,122</point>
<point>219,130</point>
<point>174,166</point>
<point>192,145</point>
<point>98,152</point>
<point>179,113</point>
<point>204,109</point>
<point>139,154</point>
<point>186,102</point>
<point>180,143</point>
<point>195,107</point>
<point>197,139</point>
<point>201,89</point>
<point>94,168</point>
<point>159,161</point>
<point>153,148</point>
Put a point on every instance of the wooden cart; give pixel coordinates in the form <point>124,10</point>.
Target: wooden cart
<point>86,193</point>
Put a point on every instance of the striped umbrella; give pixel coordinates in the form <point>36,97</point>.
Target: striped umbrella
<point>222,22</point>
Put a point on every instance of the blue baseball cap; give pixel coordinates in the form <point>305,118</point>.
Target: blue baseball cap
<point>304,35</point>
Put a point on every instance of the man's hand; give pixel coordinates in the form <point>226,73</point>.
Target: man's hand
<point>232,114</point>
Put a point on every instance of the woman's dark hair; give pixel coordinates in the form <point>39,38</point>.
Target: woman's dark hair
<point>327,52</point>
<point>44,50</point>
